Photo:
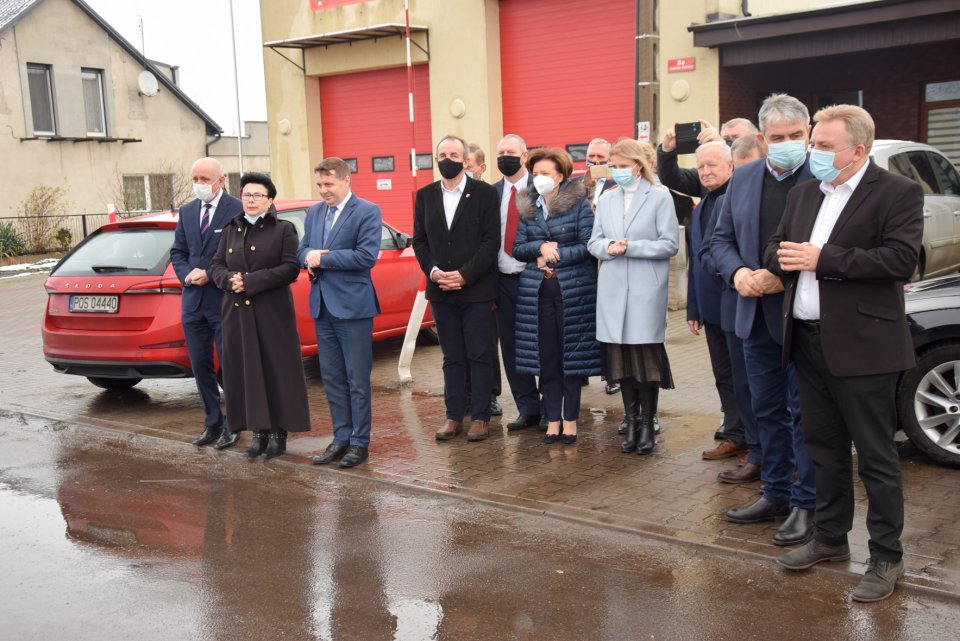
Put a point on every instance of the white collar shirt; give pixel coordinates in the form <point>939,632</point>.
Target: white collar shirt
<point>451,198</point>
<point>339,207</point>
<point>213,204</point>
<point>508,264</point>
<point>806,305</point>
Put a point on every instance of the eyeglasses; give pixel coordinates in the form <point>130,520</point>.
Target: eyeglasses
<point>254,197</point>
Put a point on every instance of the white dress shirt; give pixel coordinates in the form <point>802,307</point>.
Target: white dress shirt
<point>451,198</point>
<point>213,205</point>
<point>806,305</point>
<point>339,207</point>
<point>597,189</point>
<point>505,263</point>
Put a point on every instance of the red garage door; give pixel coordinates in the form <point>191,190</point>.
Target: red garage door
<point>365,117</point>
<point>567,70</point>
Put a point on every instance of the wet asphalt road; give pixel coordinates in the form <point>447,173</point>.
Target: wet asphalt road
<point>117,536</point>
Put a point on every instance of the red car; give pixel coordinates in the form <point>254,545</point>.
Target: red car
<point>113,310</point>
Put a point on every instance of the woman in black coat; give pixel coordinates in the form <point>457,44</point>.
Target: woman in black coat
<point>262,372</point>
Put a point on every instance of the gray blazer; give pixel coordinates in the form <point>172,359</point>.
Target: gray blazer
<point>632,288</point>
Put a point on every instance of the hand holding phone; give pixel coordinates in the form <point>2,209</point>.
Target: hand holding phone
<point>687,133</point>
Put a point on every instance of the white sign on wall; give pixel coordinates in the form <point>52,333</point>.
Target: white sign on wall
<point>384,184</point>
<point>643,130</point>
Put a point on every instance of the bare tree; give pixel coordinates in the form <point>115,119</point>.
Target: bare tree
<point>164,185</point>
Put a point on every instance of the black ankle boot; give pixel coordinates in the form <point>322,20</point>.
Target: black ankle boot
<point>631,418</point>
<point>258,443</point>
<point>277,445</point>
<point>646,439</point>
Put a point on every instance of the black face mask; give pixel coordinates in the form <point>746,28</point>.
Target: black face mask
<point>449,168</point>
<point>508,165</point>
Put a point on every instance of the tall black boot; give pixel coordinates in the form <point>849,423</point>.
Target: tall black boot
<point>258,443</point>
<point>629,392</point>
<point>277,444</point>
<point>646,440</point>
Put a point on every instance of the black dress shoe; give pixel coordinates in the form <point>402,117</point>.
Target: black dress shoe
<point>758,511</point>
<point>227,439</point>
<point>523,421</point>
<point>495,409</point>
<point>332,453</point>
<point>258,443</point>
<point>210,435</point>
<point>798,528</point>
<point>355,456</point>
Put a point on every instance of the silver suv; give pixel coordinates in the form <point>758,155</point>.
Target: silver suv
<point>934,172</point>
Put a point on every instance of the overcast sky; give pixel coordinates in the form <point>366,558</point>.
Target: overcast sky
<point>195,34</point>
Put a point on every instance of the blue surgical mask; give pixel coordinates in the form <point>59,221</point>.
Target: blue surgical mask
<point>787,154</point>
<point>821,164</point>
<point>623,176</point>
<point>252,220</point>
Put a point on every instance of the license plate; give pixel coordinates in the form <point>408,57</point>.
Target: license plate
<point>94,304</point>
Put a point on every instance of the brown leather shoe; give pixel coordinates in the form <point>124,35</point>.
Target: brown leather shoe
<point>724,449</point>
<point>746,474</point>
<point>450,429</point>
<point>478,431</point>
<point>743,460</point>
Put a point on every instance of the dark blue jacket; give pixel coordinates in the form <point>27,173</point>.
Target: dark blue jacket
<point>570,225</point>
<point>703,291</point>
<point>728,295</point>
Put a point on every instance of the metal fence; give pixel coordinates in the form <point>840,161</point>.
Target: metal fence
<point>54,233</point>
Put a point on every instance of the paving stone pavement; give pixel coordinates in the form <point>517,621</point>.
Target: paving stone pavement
<point>671,493</point>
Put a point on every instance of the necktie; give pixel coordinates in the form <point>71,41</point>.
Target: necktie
<point>513,221</point>
<point>205,220</point>
<point>328,223</point>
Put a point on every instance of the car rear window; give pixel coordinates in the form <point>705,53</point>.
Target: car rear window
<point>120,252</point>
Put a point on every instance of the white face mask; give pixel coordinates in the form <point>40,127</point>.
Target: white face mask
<point>203,192</point>
<point>543,184</point>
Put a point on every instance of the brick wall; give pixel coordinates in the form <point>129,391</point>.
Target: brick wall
<point>892,82</point>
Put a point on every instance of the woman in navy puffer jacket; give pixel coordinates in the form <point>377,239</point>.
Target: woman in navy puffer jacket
<point>556,305</point>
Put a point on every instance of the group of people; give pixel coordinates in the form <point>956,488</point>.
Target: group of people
<point>798,250</point>
<point>572,279</point>
<point>798,261</point>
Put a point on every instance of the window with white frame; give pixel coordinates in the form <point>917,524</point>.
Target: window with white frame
<point>150,192</point>
<point>41,99</point>
<point>92,80</point>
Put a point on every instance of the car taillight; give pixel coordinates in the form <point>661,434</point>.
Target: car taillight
<point>49,286</point>
<point>154,287</point>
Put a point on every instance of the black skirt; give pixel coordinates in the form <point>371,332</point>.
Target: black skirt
<point>646,363</point>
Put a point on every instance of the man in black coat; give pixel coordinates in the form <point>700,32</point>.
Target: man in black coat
<point>845,246</point>
<point>456,236</point>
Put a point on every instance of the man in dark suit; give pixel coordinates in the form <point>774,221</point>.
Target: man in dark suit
<point>511,158</point>
<point>195,242</point>
<point>340,245</point>
<point>456,235</point>
<point>845,246</point>
<point>749,216</point>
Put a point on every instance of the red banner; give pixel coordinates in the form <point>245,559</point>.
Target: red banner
<point>320,5</point>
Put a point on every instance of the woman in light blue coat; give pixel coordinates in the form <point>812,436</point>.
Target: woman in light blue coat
<point>635,233</point>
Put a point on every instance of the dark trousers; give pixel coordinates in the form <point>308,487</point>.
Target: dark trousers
<point>741,389</point>
<point>523,387</point>
<point>495,362</point>
<point>723,379</point>
<point>836,411</point>
<point>201,329</point>
<point>561,394</point>
<point>776,405</point>
<point>464,332</point>
<point>345,353</point>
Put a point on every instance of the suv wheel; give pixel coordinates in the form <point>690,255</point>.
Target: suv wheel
<point>928,402</point>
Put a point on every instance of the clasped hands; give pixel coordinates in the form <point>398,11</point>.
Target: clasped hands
<point>236,283</point>
<point>756,282</point>
<point>448,281</point>
<point>548,254</point>
<point>197,277</point>
<point>617,247</point>
<point>798,257</point>
<point>312,259</point>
